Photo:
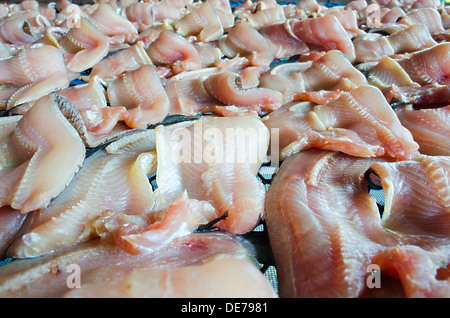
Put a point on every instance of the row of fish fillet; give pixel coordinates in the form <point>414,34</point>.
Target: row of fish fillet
<point>133,134</point>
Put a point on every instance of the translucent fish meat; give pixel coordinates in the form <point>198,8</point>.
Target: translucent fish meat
<point>41,155</point>
<point>332,126</point>
<point>207,154</point>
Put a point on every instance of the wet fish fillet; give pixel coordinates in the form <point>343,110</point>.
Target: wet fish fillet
<point>40,156</point>
<point>153,230</point>
<point>16,30</point>
<point>325,231</point>
<point>201,21</point>
<point>419,97</point>
<point>324,33</point>
<point>102,263</point>
<point>227,88</point>
<point>330,72</point>
<point>282,42</point>
<point>238,278</point>
<point>106,182</point>
<point>417,195</point>
<point>429,66</point>
<point>114,65</point>
<point>211,164</point>
<point>10,222</point>
<point>377,132</point>
<point>373,46</point>
<point>83,47</point>
<point>171,49</point>
<point>36,72</point>
<point>142,93</point>
<point>267,17</point>
<point>430,128</point>
<point>112,24</point>
<point>386,73</point>
<point>90,100</point>
<point>244,40</point>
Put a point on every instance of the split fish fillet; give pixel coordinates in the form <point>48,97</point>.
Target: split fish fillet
<point>113,66</point>
<point>113,25</point>
<point>418,97</point>
<point>385,73</point>
<point>327,235</point>
<point>83,46</point>
<point>213,164</point>
<point>233,278</point>
<point>370,47</point>
<point>330,72</point>
<point>324,33</point>
<point>227,88</point>
<point>36,72</point>
<point>41,155</point>
<point>244,40</point>
<point>102,263</point>
<point>171,49</point>
<point>417,195</point>
<point>90,100</point>
<point>428,66</point>
<point>267,17</point>
<point>106,183</point>
<point>10,222</point>
<point>142,94</point>
<point>282,42</point>
<point>377,131</point>
<point>16,30</point>
<point>201,21</point>
<point>430,128</point>
<point>150,231</point>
